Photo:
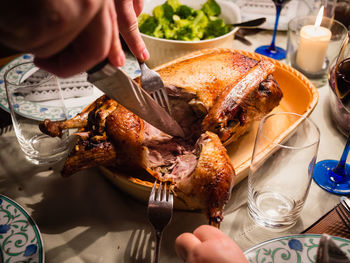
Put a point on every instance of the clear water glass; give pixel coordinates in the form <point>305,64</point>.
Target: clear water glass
<point>281,171</point>
<point>47,101</point>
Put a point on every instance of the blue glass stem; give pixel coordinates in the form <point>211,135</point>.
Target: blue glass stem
<point>340,168</point>
<point>272,46</point>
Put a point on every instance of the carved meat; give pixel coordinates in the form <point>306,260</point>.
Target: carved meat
<point>215,95</point>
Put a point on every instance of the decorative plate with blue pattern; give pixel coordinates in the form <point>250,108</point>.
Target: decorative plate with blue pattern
<point>20,239</point>
<point>296,249</point>
<point>32,109</point>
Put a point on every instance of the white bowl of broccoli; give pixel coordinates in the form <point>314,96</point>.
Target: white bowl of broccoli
<point>172,28</point>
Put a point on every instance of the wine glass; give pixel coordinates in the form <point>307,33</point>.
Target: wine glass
<point>272,50</point>
<point>333,175</point>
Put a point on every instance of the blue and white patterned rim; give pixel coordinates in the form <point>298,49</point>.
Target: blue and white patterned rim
<point>295,248</point>
<point>32,109</point>
<point>20,239</point>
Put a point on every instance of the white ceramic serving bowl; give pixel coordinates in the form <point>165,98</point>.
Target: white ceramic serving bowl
<point>163,50</point>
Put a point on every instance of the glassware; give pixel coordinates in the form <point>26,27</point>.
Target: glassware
<point>313,56</point>
<point>333,175</point>
<point>340,116</point>
<point>342,12</point>
<point>272,50</point>
<point>278,182</point>
<point>28,108</point>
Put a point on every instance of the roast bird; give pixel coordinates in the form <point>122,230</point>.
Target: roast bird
<point>215,96</point>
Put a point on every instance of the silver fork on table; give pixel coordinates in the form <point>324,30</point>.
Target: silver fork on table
<point>160,211</point>
<point>6,129</point>
<point>343,211</point>
<point>152,83</point>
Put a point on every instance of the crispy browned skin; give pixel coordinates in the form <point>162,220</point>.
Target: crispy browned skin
<point>126,131</point>
<point>209,187</point>
<point>86,155</point>
<point>208,75</point>
<point>215,97</point>
<point>241,103</point>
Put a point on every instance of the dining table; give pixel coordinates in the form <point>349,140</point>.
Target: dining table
<point>85,218</point>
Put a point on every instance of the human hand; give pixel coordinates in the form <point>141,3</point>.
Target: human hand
<point>67,37</point>
<point>208,244</point>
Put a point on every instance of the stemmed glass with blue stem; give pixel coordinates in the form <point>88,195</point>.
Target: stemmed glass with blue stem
<point>333,175</point>
<point>272,50</point>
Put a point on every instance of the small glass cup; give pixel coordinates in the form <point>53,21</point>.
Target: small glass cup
<point>35,95</point>
<point>312,56</point>
<point>281,170</point>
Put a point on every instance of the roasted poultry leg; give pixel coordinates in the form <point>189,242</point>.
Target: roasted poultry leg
<point>215,96</point>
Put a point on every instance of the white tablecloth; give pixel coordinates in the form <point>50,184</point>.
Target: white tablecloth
<point>85,218</point>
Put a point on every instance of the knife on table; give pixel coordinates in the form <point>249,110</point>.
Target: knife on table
<point>117,85</point>
<point>329,252</point>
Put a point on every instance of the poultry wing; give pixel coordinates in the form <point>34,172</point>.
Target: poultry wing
<point>215,96</point>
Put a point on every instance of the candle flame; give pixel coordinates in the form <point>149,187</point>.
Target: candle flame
<point>319,17</point>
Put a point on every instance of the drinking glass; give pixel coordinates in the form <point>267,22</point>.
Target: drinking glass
<point>313,59</point>
<point>282,165</point>
<point>272,50</point>
<point>334,175</point>
<point>34,95</point>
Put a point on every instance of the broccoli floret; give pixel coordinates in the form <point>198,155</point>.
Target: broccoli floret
<point>164,13</point>
<point>142,18</point>
<point>175,4</point>
<point>184,11</point>
<point>216,28</point>
<point>186,33</point>
<point>147,25</point>
<point>211,8</point>
<point>172,20</point>
<point>169,31</point>
<point>198,25</point>
<point>158,32</point>
<point>182,23</point>
<point>200,19</point>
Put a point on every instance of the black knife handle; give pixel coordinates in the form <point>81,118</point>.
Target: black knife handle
<point>98,66</point>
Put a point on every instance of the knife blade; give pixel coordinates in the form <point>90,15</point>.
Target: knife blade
<point>329,252</point>
<point>117,85</point>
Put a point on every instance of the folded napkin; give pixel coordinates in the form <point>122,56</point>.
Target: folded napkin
<point>76,86</point>
<point>331,224</point>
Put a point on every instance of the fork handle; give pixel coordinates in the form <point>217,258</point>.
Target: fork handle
<point>142,65</point>
<point>157,248</point>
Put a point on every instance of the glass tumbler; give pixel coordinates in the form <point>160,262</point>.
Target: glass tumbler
<point>35,95</point>
<point>311,54</point>
<point>281,170</point>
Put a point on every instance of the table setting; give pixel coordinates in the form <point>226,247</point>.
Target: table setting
<point>88,178</point>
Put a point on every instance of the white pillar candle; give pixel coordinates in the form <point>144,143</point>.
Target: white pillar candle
<point>312,47</point>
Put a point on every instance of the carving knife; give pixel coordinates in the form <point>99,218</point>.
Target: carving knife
<point>117,85</point>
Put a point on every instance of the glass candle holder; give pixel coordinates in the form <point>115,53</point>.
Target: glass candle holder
<point>310,49</point>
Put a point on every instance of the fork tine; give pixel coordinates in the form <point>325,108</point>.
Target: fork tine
<point>153,84</point>
<point>343,201</point>
<point>159,192</point>
<point>153,192</point>
<point>164,193</point>
<point>5,129</point>
<point>165,100</point>
<point>161,98</point>
<point>344,216</point>
<point>171,198</point>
